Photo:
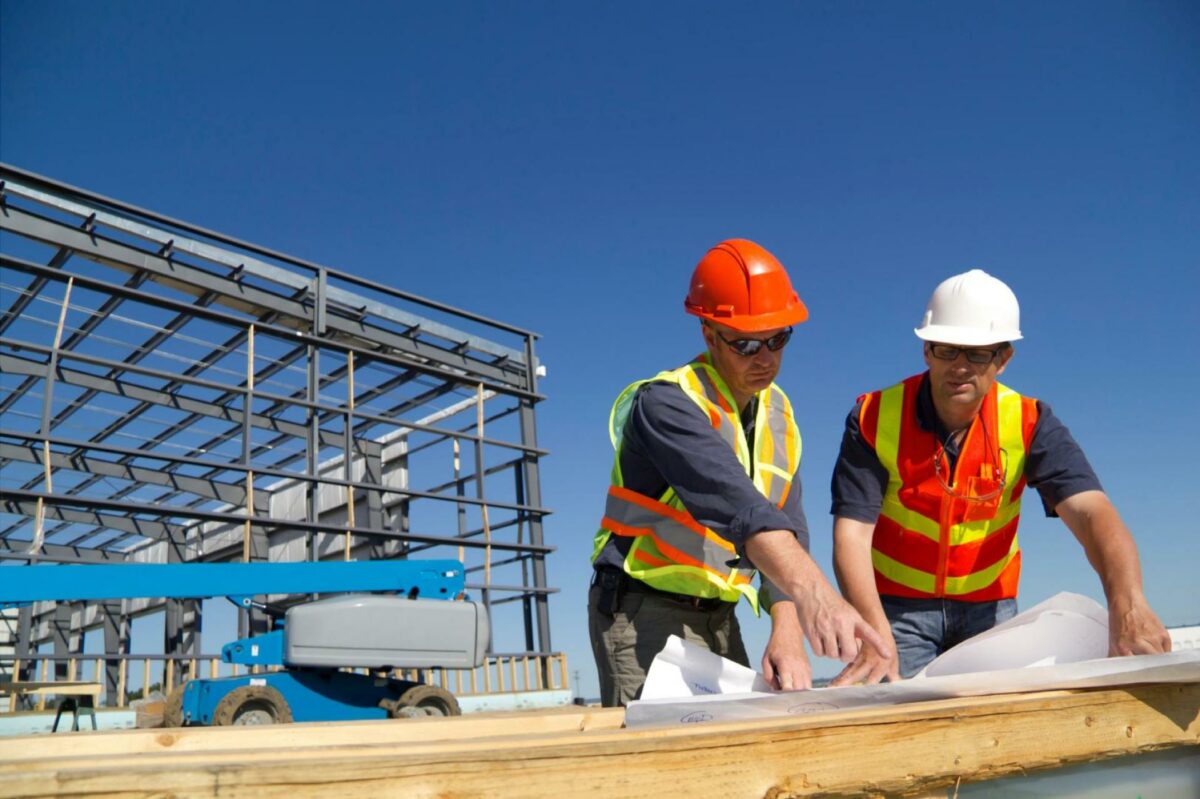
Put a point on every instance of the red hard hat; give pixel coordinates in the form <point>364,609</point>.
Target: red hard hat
<point>739,284</point>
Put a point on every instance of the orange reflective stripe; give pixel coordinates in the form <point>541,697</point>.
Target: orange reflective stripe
<point>700,383</point>
<point>676,555</point>
<point>680,517</point>
<point>647,558</point>
<point>868,417</point>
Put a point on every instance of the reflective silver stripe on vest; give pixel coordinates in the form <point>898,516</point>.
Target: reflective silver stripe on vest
<point>779,423</point>
<point>670,532</point>
<point>713,394</point>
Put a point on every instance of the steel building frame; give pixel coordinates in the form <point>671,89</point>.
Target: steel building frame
<point>172,394</point>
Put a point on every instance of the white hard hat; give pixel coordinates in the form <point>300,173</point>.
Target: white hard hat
<point>971,309</point>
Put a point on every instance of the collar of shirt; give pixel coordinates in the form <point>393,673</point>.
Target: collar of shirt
<point>748,416</point>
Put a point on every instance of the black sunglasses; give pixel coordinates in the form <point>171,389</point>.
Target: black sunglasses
<point>948,352</point>
<point>751,346</point>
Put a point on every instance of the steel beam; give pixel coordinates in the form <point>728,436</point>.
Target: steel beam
<point>266,521</point>
<point>242,296</point>
<point>232,493</point>
<point>146,528</point>
<point>121,388</point>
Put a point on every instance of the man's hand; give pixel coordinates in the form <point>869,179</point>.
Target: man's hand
<point>856,577</point>
<point>832,625</point>
<point>1134,629</point>
<point>870,667</point>
<point>785,663</point>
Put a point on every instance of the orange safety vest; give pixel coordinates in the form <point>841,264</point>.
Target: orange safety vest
<point>942,535</point>
<point>670,550</point>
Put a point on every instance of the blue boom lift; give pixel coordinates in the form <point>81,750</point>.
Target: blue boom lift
<point>412,625</point>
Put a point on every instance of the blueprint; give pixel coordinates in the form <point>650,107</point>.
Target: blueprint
<point>1060,643</point>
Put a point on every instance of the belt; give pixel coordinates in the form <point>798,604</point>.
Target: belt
<point>633,585</point>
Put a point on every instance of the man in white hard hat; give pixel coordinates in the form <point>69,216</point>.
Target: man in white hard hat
<point>927,495</point>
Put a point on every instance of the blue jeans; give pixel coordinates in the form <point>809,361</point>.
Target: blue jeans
<point>925,628</point>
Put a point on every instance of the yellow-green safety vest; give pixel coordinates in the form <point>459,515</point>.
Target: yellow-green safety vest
<point>671,551</point>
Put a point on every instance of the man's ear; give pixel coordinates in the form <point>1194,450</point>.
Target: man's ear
<point>1005,357</point>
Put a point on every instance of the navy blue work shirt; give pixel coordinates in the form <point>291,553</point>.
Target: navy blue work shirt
<point>669,441</point>
<point>1054,465</point>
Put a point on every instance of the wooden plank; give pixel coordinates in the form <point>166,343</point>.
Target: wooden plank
<point>41,703</point>
<point>52,688</point>
<point>903,749</point>
<point>122,670</point>
<point>18,750</point>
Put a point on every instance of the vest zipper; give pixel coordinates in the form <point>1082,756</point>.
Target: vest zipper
<point>939,580</point>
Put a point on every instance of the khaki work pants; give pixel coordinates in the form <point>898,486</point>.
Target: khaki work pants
<point>626,642</point>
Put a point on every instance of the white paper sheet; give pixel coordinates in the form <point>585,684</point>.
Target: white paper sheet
<point>686,669</point>
<point>1066,628</point>
<point>1051,646</point>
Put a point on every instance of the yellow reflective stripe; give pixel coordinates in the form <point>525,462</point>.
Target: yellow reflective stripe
<point>1012,442</point>
<point>620,413</point>
<point>782,424</point>
<point>598,542</point>
<point>778,453</point>
<point>677,577</point>
<point>764,453</point>
<point>887,434</point>
<point>909,519</point>
<point>899,573</point>
<point>887,449</point>
<point>1009,415</point>
<point>956,586</point>
<point>718,385</point>
<point>731,424</point>
<point>968,532</point>
<point>775,470</point>
<point>699,385</point>
<point>687,580</point>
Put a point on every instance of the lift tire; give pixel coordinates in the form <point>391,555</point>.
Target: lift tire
<point>252,704</point>
<point>173,708</point>
<point>425,700</point>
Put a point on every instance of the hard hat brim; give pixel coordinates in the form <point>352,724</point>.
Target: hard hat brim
<point>965,336</point>
<point>754,323</point>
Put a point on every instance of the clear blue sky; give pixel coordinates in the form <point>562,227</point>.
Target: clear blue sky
<point>562,166</point>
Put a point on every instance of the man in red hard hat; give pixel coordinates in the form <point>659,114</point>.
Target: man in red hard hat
<point>927,494</point>
<point>706,488</point>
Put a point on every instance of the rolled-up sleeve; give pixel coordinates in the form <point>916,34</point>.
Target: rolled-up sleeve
<point>1055,465</point>
<point>793,506</point>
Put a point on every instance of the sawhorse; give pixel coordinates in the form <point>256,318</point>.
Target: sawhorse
<point>78,698</point>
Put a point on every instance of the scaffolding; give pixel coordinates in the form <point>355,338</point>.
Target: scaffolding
<point>170,394</point>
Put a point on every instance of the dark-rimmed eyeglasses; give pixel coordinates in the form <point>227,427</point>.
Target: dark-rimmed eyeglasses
<point>751,346</point>
<point>948,352</point>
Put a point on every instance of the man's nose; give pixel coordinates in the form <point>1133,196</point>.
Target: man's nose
<point>961,363</point>
<point>764,356</point>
